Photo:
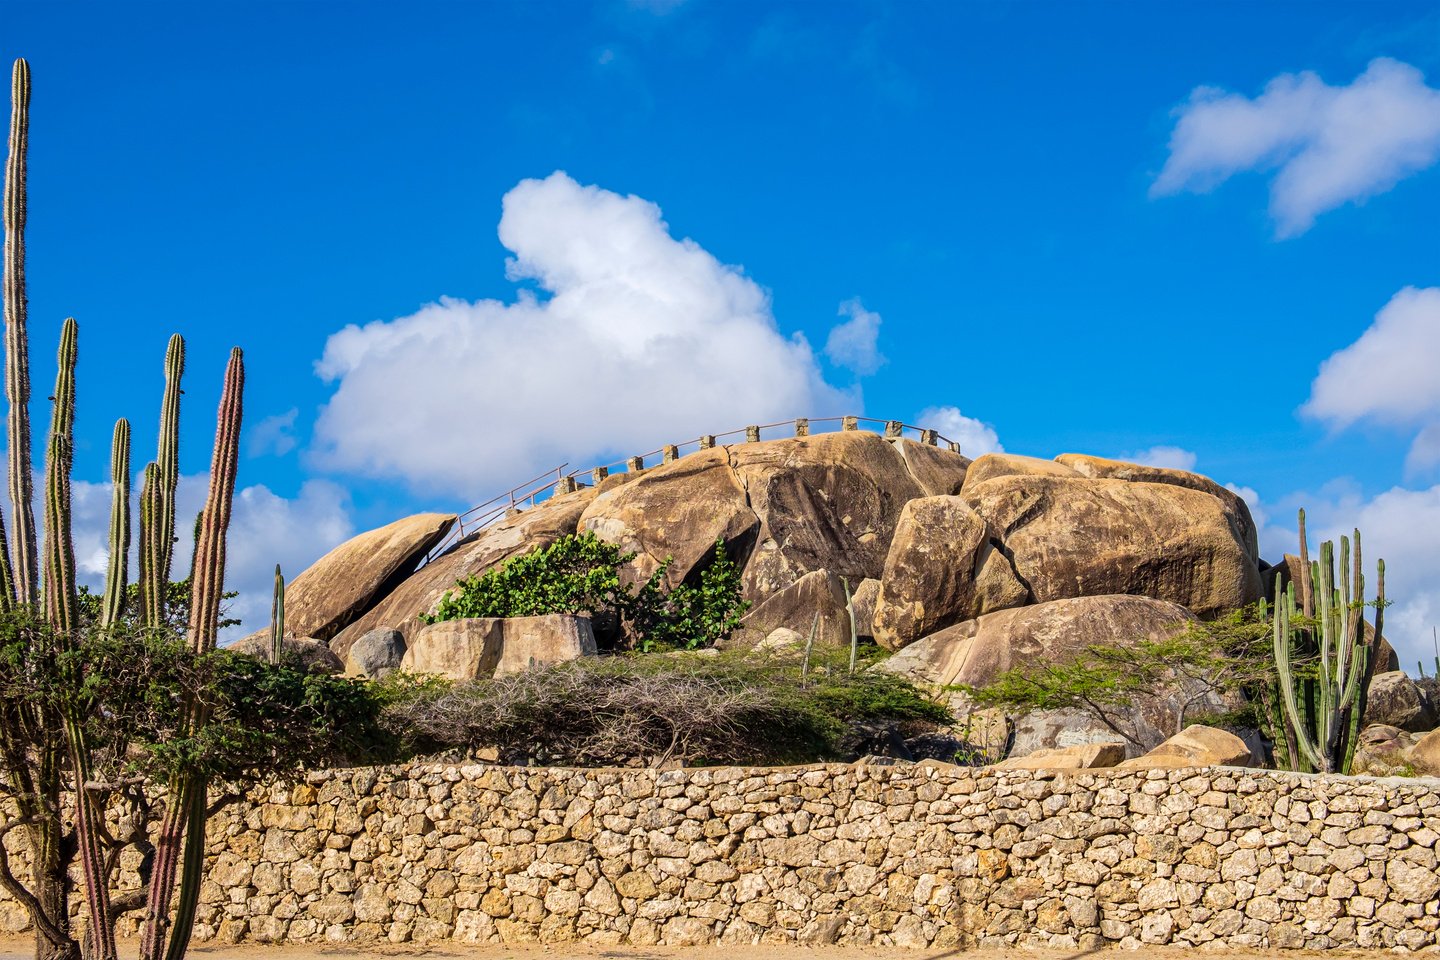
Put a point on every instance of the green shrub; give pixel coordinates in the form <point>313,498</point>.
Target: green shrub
<point>628,709</point>
<point>581,575</point>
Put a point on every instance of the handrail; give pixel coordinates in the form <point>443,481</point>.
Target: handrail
<point>525,495</point>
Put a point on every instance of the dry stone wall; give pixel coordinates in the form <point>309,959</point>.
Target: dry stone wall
<point>910,854</point>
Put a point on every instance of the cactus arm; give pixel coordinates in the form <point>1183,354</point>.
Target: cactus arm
<point>208,575</point>
<point>1283,668</point>
<point>17,348</point>
<point>168,455</point>
<point>1307,581</point>
<point>117,569</point>
<point>277,617</point>
<point>60,590</point>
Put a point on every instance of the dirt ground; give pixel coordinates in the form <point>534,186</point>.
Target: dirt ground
<point>12,949</point>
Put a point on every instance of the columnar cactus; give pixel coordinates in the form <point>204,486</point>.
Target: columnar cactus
<point>117,570</point>
<point>17,346</point>
<point>277,617</point>
<point>157,495</point>
<point>1325,708</point>
<point>60,589</point>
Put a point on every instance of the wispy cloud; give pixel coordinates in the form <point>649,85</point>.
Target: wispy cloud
<point>974,436</point>
<point>1162,455</point>
<point>854,344</point>
<point>1327,145</point>
<point>272,435</point>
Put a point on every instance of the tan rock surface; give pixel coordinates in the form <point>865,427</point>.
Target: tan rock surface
<point>993,465</point>
<point>677,510</point>
<point>795,607</point>
<point>345,583</point>
<point>313,654</point>
<point>1074,537</point>
<point>1103,469</point>
<point>457,649</point>
<point>531,642</point>
<point>942,568</point>
<point>939,472</point>
<point>536,527</point>
<point>1083,756</point>
<point>1195,746</point>
<point>862,598</point>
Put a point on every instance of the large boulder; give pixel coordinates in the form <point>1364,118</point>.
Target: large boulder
<point>479,647</point>
<point>459,650</point>
<point>797,607</point>
<point>825,502</point>
<point>863,600</point>
<point>943,568</point>
<point>1102,469</point>
<point>1396,700</point>
<point>345,583</point>
<point>531,642</point>
<point>993,465</point>
<point>1195,746</point>
<point>376,655</point>
<point>1084,756</point>
<point>311,653</point>
<point>516,535</point>
<point>1076,537</point>
<point>977,651</point>
<point>1425,755</point>
<point>938,471</point>
<point>677,511</point>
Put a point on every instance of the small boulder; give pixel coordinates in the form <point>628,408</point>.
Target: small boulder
<point>377,654</point>
<point>314,655</point>
<point>1197,746</point>
<point>531,642</point>
<point>457,649</point>
<point>781,640</point>
<point>1425,755</point>
<point>1396,700</point>
<point>862,599</point>
<point>943,567</point>
<point>1086,756</point>
<point>820,592</point>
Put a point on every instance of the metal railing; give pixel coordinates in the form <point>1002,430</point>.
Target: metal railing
<point>552,482</point>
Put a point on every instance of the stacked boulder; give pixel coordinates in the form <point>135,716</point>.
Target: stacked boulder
<point>963,568</point>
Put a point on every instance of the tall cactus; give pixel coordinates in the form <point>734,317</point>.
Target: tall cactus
<point>17,346</point>
<point>277,618</point>
<point>157,494</point>
<point>1323,711</point>
<point>117,570</point>
<point>60,588</point>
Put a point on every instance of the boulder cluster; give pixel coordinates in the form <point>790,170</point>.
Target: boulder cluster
<point>964,568</point>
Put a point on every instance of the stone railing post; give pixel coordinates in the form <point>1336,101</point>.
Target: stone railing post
<point>893,428</point>
<point>752,434</point>
<point>565,485</point>
<point>850,423</point>
<point>802,426</point>
<point>670,454</point>
<point>929,437</point>
<point>707,442</point>
<point>599,473</point>
<point>954,446</point>
<point>635,464</point>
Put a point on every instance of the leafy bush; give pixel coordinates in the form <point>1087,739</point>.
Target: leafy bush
<point>581,575</point>
<point>627,709</point>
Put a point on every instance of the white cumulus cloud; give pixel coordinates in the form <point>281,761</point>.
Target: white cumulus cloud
<point>274,434</point>
<point>638,339</point>
<point>1168,457</point>
<point>975,437</point>
<point>1389,375</point>
<point>854,344</point>
<point>1327,145</point>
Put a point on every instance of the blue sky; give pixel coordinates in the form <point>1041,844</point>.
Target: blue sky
<point>1092,227</point>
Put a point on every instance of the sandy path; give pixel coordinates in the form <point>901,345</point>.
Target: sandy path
<point>22,949</point>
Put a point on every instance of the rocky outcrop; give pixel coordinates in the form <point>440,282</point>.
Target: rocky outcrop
<point>1235,507</point>
<point>943,567</point>
<point>862,600</point>
<point>1069,537</point>
<point>1425,755</point>
<point>826,502</point>
<point>1195,746</point>
<point>974,653</point>
<point>377,654</point>
<point>514,536</point>
<point>345,583</point>
<point>939,472</point>
<point>1396,700</point>
<point>993,465</point>
<point>677,511</point>
<point>309,652</point>
<point>797,606</point>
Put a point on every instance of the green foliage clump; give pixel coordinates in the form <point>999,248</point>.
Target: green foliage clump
<point>633,709</point>
<point>581,574</point>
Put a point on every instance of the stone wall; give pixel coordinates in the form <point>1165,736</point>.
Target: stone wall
<point>924,855</point>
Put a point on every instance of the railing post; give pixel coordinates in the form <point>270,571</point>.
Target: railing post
<point>955,447</point>
<point>707,442</point>
<point>929,438</point>
<point>670,454</point>
<point>893,428</point>
<point>635,464</point>
<point>850,423</point>
<point>599,473</point>
<point>565,485</point>
<point>752,433</point>
<point>802,426</point>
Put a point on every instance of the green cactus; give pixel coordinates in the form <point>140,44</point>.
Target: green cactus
<point>117,570</point>
<point>157,494</point>
<point>1324,710</point>
<point>60,588</point>
<point>17,346</point>
<point>277,617</point>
